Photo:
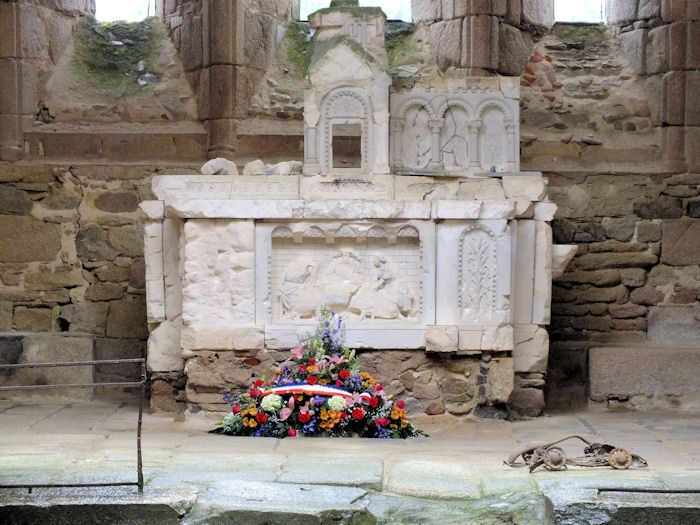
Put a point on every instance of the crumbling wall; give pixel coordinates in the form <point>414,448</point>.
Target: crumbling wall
<point>606,116</point>
<point>33,36</point>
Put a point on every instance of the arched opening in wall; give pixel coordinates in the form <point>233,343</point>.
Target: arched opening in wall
<point>394,9</point>
<point>124,10</point>
<point>582,11</point>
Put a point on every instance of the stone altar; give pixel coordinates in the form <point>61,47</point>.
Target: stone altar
<point>428,239</point>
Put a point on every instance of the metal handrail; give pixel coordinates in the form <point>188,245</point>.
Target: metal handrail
<point>141,383</point>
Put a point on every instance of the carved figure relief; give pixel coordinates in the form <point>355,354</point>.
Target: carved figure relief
<point>459,131</point>
<point>361,286</point>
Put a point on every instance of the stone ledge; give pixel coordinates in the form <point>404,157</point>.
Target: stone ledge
<point>653,371</point>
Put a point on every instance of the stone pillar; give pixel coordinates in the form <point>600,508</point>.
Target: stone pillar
<point>396,126</point>
<point>474,144</point>
<point>10,95</point>
<point>225,35</point>
<point>435,157</point>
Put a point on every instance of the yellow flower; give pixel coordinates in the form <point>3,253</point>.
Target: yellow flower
<point>253,423</point>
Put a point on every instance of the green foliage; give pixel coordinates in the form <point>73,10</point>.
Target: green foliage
<point>107,54</point>
<point>586,33</point>
<point>299,48</point>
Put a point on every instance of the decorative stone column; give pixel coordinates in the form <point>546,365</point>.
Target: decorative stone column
<point>435,156</point>
<point>474,161</point>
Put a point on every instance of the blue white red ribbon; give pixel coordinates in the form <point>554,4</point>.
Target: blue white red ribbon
<point>314,390</point>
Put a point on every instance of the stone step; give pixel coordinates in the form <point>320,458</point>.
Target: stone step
<point>646,376</point>
<point>118,146</point>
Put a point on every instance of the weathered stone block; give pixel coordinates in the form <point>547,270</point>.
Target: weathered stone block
<point>649,8</point>
<point>596,277</point>
<point>514,11</point>
<point>647,295</point>
<point>108,349</point>
<point>514,49</point>
<point>634,45</point>
<point>24,239</point>
<point>692,148</point>
<point>657,50</point>
<point>673,99</point>
<point>665,207</point>
<point>14,202</point>
<point>91,244</point>
<point>32,319</point>
<point>126,240</point>
<point>622,11</point>
<point>480,42</point>
<point>623,372</point>
<point>527,401</point>
<point>441,339</point>
<point>9,30</point>
<point>672,10</point>
<point>5,316</point>
<point>85,317</point>
<point>531,348</point>
<point>679,243</point>
<point>501,380</point>
<point>49,279</point>
<point>693,45</point>
<point>126,318</point>
<point>626,311</point>
<point>619,229</point>
<point>633,277</point>
<point>117,202</point>
<point>648,231</point>
<point>48,348</point>
<point>426,10</point>
<point>163,397</point>
<point>445,40</point>
<point>692,109</point>
<point>594,261</point>
<point>538,12</point>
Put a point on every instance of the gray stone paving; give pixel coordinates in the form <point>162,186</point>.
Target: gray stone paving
<point>455,476</point>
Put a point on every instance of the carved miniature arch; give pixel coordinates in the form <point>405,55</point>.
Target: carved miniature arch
<point>418,101</point>
<point>493,103</point>
<point>459,103</point>
<point>346,104</point>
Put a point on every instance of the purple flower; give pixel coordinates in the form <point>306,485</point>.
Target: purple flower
<point>319,400</point>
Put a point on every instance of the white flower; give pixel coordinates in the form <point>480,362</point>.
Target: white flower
<point>337,403</point>
<point>271,403</point>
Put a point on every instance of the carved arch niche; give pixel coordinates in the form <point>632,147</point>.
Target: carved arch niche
<point>496,138</point>
<point>345,126</point>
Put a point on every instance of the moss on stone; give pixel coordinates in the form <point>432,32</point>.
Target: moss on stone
<point>321,47</point>
<point>586,33</point>
<point>299,47</point>
<point>107,54</point>
<point>359,11</point>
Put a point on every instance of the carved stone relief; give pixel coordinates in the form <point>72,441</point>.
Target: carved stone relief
<point>376,281</point>
<point>459,131</point>
<point>477,281</point>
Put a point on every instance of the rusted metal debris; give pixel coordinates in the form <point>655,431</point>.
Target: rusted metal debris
<point>538,453</point>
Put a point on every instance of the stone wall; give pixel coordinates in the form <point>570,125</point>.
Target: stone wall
<point>33,35</point>
<point>225,46</point>
<point>493,35</point>
<point>72,277</point>
<point>605,115</point>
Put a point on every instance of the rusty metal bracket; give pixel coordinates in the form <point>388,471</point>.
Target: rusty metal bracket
<point>141,384</point>
<point>538,453</point>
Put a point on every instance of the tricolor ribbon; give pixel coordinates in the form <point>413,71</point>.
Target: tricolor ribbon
<point>314,390</point>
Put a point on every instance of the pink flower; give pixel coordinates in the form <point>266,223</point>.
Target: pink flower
<point>312,361</point>
<point>292,433</point>
<point>338,383</point>
<point>302,368</point>
<point>253,392</point>
<point>297,352</point>
<point>285,413</point>
<point>236,409</point>
<point>400,404</point>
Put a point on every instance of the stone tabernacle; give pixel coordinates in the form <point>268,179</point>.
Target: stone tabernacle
<point>409,217</point>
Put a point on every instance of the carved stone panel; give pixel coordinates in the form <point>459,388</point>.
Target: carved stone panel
<point>373,273</point>
<point>474,273</point>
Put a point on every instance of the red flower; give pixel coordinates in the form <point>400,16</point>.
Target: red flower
<point>343,414</point>
<point>312,380</point>
<point>382,422</point>
<point>302,368</point>
<point>304,417</point>
<point>358,414</point>
<point>253,392</point>
<point>258,383</point>
<point>344,374</point>
<point>400,404</point>
<point>312,361</point>
<point>379,386</point>
<point>373,402</point>
<point>260,417</point>
<point>338,383</point>
<point>236,409</point>
<point>292,433</point>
